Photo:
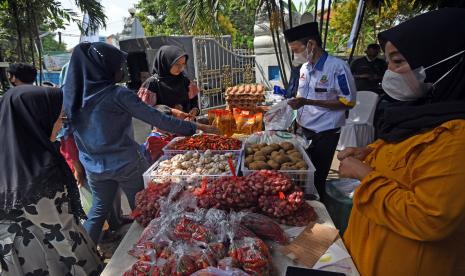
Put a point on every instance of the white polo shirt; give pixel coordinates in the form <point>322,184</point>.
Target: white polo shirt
<point>329,79</point>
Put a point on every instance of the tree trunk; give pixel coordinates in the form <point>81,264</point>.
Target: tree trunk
<point>39,42</point>
<point>31,34</point>
<point>15,14</point>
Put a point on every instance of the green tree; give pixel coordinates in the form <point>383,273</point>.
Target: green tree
<point>51,45</point>
<point>377,18</point>
<point>160,17</point>
<point>200,17</point>
<point>21,22</point>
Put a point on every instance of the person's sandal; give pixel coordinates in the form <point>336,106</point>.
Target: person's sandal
<point>110,236</point>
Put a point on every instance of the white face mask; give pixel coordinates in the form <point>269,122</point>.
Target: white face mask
<point>410,86</point>
<point>404,87</point>
<point>303,57</point>
<point>299,58</point>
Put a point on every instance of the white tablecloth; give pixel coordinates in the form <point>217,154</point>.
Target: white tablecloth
<point>122,261</point>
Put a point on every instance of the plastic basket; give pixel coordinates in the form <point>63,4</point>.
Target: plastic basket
<point>169,152</point>
<point>302,178</point>
<point>189,179</point>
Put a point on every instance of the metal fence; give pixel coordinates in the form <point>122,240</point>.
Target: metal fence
<point>218,66</point>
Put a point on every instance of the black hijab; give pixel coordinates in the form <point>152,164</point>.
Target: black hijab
<point>30,166</point>
<point>424,41</point>
<point>171,90</point>
<point>91,74</point>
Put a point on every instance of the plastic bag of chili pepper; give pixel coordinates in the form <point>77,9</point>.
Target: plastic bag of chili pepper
<point>146,263</point>
<point>204,258</point>
<point>147,205</point>
<point>142,268</point>
<point>191,231</point>
<point>302,217</point>
<point>252,254</point>
<point>184,262</point>
<point>147,249</point>
<point>213,271</point>
<point>263,226</point>
<point>228,263</point>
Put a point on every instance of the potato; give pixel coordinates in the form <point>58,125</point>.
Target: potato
<point>295,159</point>
<point>302,165</point>
<point>249,159</point>
<point>281,158</point>
<point>267,150</point>
<point>259,153</point>
<point>255,146</point>
<point>275,146</point>
<point>297,155</point>
<point>287,145</point>
<point>292,151</point>
<point>274,153</point>
<point>249,150</point>
<point>282,151</point>
<point>259,158</point>
<point>259,165</point>
<point>262,145</point>
<point>273,164</point>
<point>286,167</point>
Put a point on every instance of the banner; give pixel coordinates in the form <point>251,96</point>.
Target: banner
<point>56,62</point>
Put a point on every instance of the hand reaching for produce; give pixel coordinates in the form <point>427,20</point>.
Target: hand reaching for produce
<point>208,128</point>
<point>357,153</point>
<point>351,167</point>
<point>179,114</point>
<point>297,103</point>
<point>194,112</point>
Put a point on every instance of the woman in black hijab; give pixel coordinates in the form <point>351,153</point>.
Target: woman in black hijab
<point>408,215</point>
<point>40,209</point>
<point>100,114</point>
<point>168,85</point>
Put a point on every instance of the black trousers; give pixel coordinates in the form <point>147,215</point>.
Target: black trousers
<point>321,152</point>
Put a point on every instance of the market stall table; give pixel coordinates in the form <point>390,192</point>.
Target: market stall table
<point>122,261</point>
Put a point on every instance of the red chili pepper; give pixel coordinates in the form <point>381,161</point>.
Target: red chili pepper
<point>204,142</point>
<point>202,189</point>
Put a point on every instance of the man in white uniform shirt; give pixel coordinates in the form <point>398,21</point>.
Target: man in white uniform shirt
<point>326,91</point>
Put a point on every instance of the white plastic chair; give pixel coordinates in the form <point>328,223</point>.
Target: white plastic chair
<point>359,130</point>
